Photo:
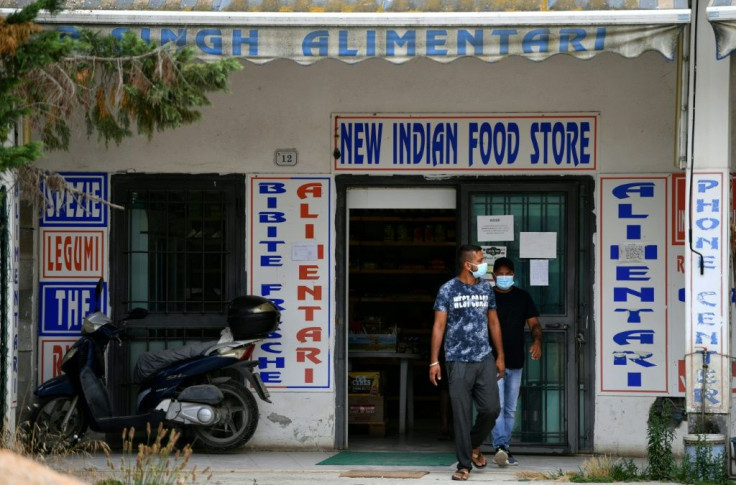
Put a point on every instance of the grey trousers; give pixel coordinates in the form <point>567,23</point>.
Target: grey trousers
<point>472,382</point>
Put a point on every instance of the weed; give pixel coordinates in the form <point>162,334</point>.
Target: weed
<point>660,434</point>
<point>156,463</point>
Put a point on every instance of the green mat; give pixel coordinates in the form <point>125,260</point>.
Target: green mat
<point>390,458</point>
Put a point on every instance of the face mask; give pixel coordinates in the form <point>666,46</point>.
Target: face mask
<point>482,270</point>
<point>504,282</point>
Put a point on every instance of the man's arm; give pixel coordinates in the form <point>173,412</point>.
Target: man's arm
<point>438,332</point>
<point>494,330</point>
<point>535,328</point>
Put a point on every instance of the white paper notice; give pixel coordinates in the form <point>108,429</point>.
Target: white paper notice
<point>538,272</point>
<point>495,228</point>
<point>538,245</point>
<point>304,252</point>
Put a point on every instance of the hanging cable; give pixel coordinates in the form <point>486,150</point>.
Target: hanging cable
<point>693,81</point>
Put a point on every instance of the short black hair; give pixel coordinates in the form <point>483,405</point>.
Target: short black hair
<point>503,263</point>
<point>465,252</point>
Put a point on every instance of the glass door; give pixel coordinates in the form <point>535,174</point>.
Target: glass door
<point>546,265</point>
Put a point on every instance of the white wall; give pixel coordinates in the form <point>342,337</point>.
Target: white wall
<point>283,105</point>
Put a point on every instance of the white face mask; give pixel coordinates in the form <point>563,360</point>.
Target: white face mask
<point>504,282</point>
<point>481,271</point>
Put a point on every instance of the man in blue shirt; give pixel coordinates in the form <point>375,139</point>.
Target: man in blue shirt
<point>465,314</point>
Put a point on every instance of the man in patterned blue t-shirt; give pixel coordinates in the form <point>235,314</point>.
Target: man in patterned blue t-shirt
<point>465,314</point>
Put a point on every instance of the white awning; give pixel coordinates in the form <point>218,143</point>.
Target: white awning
<point>722,16</point>
<point>307,37</point>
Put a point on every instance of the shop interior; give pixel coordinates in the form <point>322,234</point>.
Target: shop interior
<point>398,258</point>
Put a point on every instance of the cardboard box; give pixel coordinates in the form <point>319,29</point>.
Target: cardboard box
<point>365,409</point>
<point>372,342</point>
<point>364,384</point>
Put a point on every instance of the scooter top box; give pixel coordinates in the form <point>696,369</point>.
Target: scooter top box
<point>252,316</point>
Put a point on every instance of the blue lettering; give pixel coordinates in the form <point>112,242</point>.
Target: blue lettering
<point>621,294</point>
<point>503,39</point>
<point>271,260</point>
<point>571,39</point>
<point>705,185</point>
<point>251,40</point>
<point>271,188</point>
<point>436,39</point>
<point>266,217</point>
<point>642,336</point>
<point>476,40</point>
<point>393,39</point>
<point>270,377</point>
<point>343,50</point>
<point>179,38</point>
<point>315,40</point>
<point>643,189</point>
<point>634,315</point>
<point>632,273</point>
<point>209,41</point>
<point>537,38</point>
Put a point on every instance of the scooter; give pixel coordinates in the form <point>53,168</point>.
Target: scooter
<point>200,387</point>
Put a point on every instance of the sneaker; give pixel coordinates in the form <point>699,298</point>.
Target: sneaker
<point>510,460</point>
<point>501,457</point>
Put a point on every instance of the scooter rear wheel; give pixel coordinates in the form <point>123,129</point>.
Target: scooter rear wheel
<point>240,420</point>
<point>48,432</point>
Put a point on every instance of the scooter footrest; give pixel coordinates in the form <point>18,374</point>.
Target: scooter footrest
<point>137,421</point>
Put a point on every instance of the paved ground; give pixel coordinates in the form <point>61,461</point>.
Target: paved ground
<point>279,468</point>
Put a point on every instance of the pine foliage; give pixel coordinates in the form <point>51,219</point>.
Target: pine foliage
<point>118,87</point>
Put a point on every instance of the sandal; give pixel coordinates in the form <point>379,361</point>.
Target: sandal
<point>461,474</point>
<point>479,461</point>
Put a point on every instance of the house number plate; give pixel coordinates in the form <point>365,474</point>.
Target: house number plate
<point>285,158</point>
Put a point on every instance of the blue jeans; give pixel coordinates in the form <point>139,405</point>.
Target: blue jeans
<point>508,394</point>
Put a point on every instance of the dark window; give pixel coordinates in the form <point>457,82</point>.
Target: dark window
<point>178,246</point>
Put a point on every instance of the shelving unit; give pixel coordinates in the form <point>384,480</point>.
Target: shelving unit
<point>397,261</point>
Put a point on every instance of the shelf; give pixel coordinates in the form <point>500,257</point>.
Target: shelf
<point>398,271</point>
<point>402,243</point>
<point>401,219</point>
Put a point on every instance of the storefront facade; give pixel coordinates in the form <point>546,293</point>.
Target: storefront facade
<point>341,189</point>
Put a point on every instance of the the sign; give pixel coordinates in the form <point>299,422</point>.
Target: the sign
<point>633,286</point>
<point>51,351</point>
<point>73,254</point>
<point>450,143</point>
<point>63,306</point>
<point>354,43</point>
<point>83,206</point>
<point>707,355</point>
<point>290,264</point>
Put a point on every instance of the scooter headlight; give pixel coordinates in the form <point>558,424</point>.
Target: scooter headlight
<point>237,353</point>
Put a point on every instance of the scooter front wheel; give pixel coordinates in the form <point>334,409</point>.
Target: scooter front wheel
<point>56,424</point>
<point>238,423</point>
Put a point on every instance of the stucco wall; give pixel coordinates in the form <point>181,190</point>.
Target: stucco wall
<point>283,105</point>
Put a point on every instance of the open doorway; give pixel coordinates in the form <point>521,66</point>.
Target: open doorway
<point>400,248</point>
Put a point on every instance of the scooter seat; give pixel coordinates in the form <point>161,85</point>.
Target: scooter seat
<point>151,362</point>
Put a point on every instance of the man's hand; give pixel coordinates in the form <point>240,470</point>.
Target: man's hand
<point>500,367</point>
<point>435,374</point>
<point>536,350</point>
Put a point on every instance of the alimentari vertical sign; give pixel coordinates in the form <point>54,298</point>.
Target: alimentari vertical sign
<point>633,285</point>
<point>74,255</point>
<point>290,260</point>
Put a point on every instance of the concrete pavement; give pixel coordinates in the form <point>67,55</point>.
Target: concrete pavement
<point>300,467</point>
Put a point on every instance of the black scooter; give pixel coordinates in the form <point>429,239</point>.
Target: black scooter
<point>200,387</point>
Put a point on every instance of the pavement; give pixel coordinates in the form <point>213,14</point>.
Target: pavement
<point>301,467</point>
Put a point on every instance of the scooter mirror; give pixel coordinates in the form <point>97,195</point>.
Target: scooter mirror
<point>98,294</point>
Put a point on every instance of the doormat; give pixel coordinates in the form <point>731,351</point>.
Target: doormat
<point>390,458</point>
<point>381,474</point>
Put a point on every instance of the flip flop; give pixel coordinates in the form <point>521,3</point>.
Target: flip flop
<point>479,461</point>
<point>461,474</point>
